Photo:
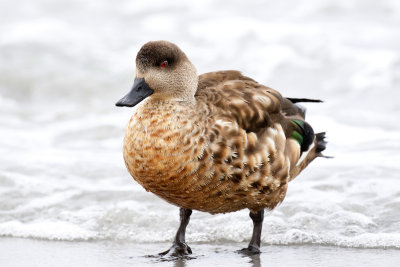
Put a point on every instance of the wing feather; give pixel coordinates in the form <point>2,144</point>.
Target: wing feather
<point>253,105</point>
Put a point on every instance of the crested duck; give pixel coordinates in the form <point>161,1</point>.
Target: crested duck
<point>219,142</point>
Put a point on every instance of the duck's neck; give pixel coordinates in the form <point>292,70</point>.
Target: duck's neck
<point>167,113</point>
<point>162,99</point>
<point>165,104</point>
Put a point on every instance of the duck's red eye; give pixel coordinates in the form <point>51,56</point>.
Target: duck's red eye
<point>164,64</point>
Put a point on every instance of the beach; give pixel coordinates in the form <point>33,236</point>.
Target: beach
<point>109,253</point>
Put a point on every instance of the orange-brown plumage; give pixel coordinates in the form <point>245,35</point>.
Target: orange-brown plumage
<point>217,143</point>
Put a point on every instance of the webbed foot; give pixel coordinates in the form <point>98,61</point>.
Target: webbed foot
<point>250,250</point>
<point>177,250</point>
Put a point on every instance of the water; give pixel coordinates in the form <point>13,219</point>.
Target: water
<point>108,253</point>
<point>64,64</point>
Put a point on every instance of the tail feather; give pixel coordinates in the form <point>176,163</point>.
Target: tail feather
<point>321,143</point>
<point>297,100</point>
<point>291,108</point>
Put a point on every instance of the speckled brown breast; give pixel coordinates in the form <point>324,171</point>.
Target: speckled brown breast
<point>197,156</point>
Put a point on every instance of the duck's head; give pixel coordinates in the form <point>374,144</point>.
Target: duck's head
<point>163,72</point>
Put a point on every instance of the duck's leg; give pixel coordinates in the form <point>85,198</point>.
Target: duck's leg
<point>255,242</point>
<point>179,247</point>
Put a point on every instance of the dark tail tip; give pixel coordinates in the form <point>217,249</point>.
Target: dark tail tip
<point>321,143</point>
<point>297,100</point>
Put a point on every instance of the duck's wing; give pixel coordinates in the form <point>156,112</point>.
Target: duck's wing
<point>266,132</point>
<point>248,102</point>
<point>259,111</point>
<point>212,79</point>
<point>255,107</point>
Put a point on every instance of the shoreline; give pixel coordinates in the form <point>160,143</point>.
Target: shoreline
<point>32,252</point>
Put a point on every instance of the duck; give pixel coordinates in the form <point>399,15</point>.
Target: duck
<point>219,142</point>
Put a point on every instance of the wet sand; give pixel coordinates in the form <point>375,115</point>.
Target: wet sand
<point>18,252</point>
